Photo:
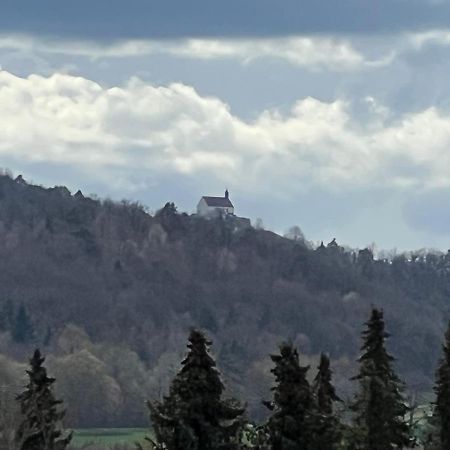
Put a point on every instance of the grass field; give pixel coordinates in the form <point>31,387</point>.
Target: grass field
<point>109,436</point>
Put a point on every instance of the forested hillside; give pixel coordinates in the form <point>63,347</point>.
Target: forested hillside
<point>109,292</point>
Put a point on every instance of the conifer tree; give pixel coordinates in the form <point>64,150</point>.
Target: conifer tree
<point>379,421</point>
<point>442,389</point>
<point>194,416</point>
<point>288,425</point>
<point>40,428</point>
<point>323,388</point>
<point>326,430</point>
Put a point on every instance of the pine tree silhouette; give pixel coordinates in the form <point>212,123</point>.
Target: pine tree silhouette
<point>288,426</point>
<point>379,407</point>
<point>323,388</point>
<point>326,431</point>
<point>442,389</point>
<point>194,416</point>
<point>41,427</point>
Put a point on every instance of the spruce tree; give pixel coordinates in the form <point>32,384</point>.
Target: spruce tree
<point>379,407</point>
<point>323,387</point>
<point>194,416</point>
<point>326,431</point>
<point>40,428</point>
<point>288,426</point>
<point>442,389</point>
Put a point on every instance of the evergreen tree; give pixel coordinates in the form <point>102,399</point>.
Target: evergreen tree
<point>323,388</point>
<point>326,430</point>
<point>194,416</point>
<point>379,421</point>
<point>22,331</point>
<point>442,389</point>
<point>288,426</point>
<point>40,428</point>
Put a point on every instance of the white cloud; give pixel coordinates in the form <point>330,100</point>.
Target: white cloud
<point>335,53</point>
<point>437,37</point>
<point>313,52</point>
<point>169,130</point>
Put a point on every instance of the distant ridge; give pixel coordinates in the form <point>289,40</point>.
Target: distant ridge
<point>127,278</point>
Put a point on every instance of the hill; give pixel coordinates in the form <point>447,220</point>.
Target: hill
<point>109,292</point>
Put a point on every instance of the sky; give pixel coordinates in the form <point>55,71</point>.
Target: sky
<point>333,116</point>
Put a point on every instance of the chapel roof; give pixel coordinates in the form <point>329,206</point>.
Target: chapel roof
<point>218,202</point>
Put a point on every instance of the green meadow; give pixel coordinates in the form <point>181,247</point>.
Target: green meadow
<point>108,436</point>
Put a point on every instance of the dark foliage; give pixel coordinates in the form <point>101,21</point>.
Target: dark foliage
<point>323,387</point>
<point>194,415</point>
<point>442,389</point>
<point>326,430</point>
<point>379,407</point>
<point>292,405</point>
<point>40,428</point>
<point>127,278</point>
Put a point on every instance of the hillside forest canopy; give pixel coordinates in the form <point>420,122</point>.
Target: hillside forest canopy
<point>109,292</point>
<point>195,413</point>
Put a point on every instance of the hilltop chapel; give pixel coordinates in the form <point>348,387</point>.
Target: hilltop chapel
<point>215,206</point>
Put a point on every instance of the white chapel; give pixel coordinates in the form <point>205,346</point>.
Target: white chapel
<point>215,206</point>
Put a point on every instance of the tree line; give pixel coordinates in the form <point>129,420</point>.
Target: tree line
<point>196,415</point>
<point>134,282</point>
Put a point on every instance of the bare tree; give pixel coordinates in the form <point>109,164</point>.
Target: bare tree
<point>295,233</point>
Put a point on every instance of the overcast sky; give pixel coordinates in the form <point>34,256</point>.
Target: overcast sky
<point>330,115</point>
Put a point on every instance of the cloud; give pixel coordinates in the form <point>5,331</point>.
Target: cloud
<point>118,132</point>
<point>440,37</point>
<point>327,52</point>
<point>310,52</point>
<point>331,52</point>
